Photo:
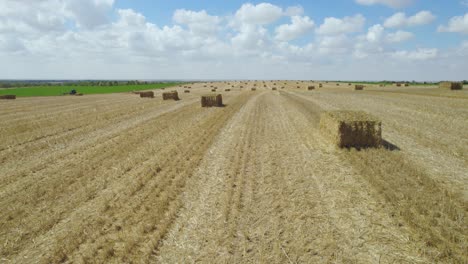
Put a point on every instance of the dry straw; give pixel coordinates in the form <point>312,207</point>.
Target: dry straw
<point>146,94</point>
<point>348,129</point>
<point>172,95</point>
<point>212,100</point>
<point>451,85</point>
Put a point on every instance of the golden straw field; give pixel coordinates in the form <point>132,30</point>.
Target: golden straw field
<point>121,179</point>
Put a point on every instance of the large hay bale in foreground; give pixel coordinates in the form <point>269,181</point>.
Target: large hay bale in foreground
<point>451,85</point>
<point>349,129</point>
<point>358,87</point>
<point>310,88</point>
<point>8,97</point>
<point>146,94</point>
<point>212,100</point>
<point>172,95</point>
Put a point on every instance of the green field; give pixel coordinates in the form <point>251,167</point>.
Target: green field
<point>60,90</point>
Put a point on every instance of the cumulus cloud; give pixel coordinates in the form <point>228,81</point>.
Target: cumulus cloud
<point>261,14</point>
<point>298,27</point>
<point>399,36</point>
<point>401,20</point>
<point>89,13</point>
<point>198,22</point>
<point>336,26</point>
<point>458,24</point>
<point>419,54</point>
<point>41,39</point>
<point>390,3</point>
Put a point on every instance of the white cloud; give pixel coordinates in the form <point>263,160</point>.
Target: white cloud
<point>260,14</point>
<point>294,11</point>
<point>419,54</point>
<point>375,33</point>
<point>399,36</point>
<point>336,26</point>
<point>89,13</point>
<point>198,22</point>
<point>298,27</point>
<point>390,3</point>
<point>458,24</point>
<point>401,20</point>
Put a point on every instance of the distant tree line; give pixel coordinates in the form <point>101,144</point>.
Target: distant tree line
<point>16,84</point>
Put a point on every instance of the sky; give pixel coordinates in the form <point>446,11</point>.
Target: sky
<point>422,40</point>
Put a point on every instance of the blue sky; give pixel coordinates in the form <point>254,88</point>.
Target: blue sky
<point>320,39</point>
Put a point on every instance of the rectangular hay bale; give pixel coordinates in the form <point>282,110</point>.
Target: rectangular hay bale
<point>146,94</point>
<point>347,129</point>
<point>172,95</point>
<point>451,85</point>
<point>8,97</point>
<point>212,100</point>
<point>358,87</point>
<point>310,88</point>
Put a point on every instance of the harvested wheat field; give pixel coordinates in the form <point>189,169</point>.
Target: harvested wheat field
<point>120,179</point>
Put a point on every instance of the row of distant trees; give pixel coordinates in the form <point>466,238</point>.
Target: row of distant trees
<point>14,84</point>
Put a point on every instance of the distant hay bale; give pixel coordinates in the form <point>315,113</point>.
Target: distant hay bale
<point>320,85</point>
<point>398,84</point>
<point>298,87</point>
<point>213,90</point>
<point>358,87</point>
<point>347,129</point>
<point>337,84</point>
<point>349,84</point>
<point>212,100</point>
<point>310,88</point>
<point>8,97</point>
<point>146,94</point>
<point>172,95</point>
<point>273,89</point>
<point>451,85</point>
<point>227,90</point>
<point>187,91</point>
<point>254,89</point>
<point>406,84</point>
<point>204,85</point>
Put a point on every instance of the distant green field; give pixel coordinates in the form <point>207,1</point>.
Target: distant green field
<point>60,90</point>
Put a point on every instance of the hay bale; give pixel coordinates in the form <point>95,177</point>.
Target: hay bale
<point>213,90</point>
<point>146,94</point>
<point>398,84</point>
<point>227,90</point>
<point>320,85</point>
<point>358,87</point>
<point>212,100</point>
<point>8,97</point>
<point>406,84</point>
<point>254,89</point>
<point>172,95</point>
<point>349,84</point>
<point>451,85</point>
<point>310,88</point>
<point>273,89</point>
<point>337,84</point>
<point>187,91</point>
<point>348,129</point>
